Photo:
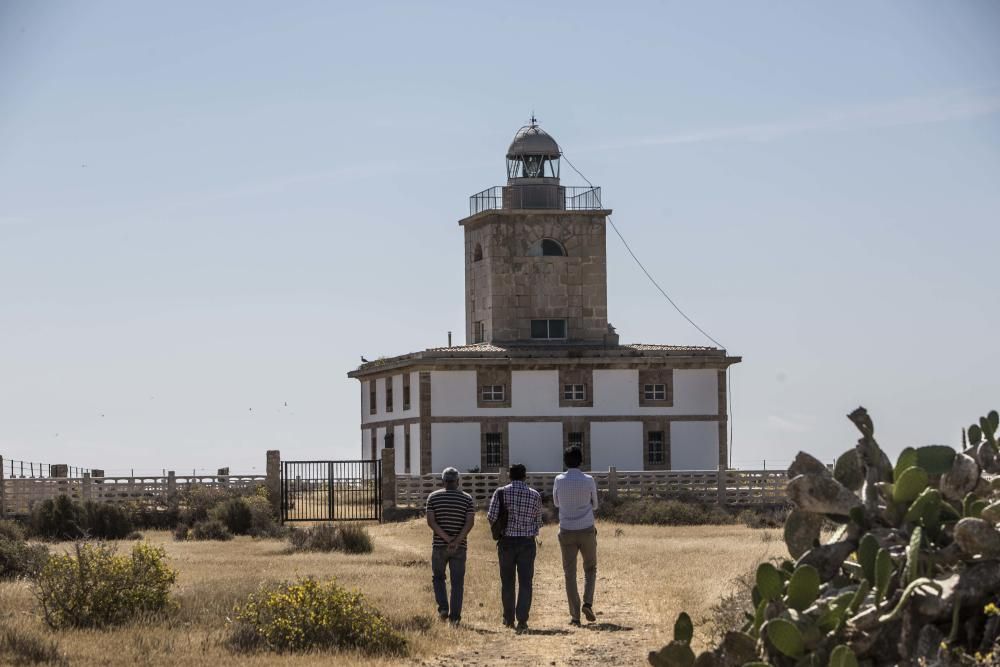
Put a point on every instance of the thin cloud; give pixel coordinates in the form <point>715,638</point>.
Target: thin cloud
<point>948,106</point>
<point>786,425</point>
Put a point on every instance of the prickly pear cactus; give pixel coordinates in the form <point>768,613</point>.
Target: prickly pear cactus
<point>911,575</point>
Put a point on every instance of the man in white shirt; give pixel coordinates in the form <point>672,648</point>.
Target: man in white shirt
<point>575,494</point>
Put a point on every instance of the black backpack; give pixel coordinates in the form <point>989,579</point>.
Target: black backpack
<point>499,526</point>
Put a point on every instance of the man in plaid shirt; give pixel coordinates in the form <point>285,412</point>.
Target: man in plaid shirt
<point>516,549</point>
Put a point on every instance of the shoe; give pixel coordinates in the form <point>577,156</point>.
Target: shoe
<point>454,622</point>
<point>508,624</point>
<point>575,622</point>
<point>521,627</point>
<point>443,615</point>
<point>588,611</point>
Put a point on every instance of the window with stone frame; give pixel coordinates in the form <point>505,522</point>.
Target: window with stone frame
<point>477,254</point>
<point>479,332</point>
<point>493,393</point>
<point>494,450</point>
<point>575,392</point>
<point>554,329</point>
<point>388,394</point>
<point>406,450</point>
<point>655,392</point>
<point>389,439</point>
<point>656,453</point>
<point>406,392</point>
<point>372,398</point>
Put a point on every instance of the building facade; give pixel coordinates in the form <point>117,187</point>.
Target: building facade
<point>542,368</point>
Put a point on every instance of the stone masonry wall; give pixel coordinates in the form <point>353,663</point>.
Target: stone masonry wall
<point>506,289</point>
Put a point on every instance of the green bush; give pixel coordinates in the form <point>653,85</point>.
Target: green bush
<point>103,521</point>
<point>61,518</point>
<point>235,514</point>
<point>355,539</point>
<point>263,521</point>
<point>210,530</point>
<point>57,518</point>
<point>20,559</point>
<point>12,530</point>
<point>349,538</point>
<point>182,532</point>
<point>96,587</point>
<point>308,615</point>
<point>661,512</point>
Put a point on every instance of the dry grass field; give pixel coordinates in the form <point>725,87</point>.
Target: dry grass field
<point>646,575</point>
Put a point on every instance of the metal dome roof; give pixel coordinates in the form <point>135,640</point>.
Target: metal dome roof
<point>532,140</point>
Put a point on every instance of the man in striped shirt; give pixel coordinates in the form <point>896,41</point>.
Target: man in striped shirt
<point>575,494</point>
<point>450,514</point>
<point>516,549</point>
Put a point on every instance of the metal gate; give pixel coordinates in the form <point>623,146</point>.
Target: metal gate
<point>331,490</point>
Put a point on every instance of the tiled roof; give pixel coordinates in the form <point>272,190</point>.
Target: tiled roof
<point>647,347</point>
<point>639,347</point>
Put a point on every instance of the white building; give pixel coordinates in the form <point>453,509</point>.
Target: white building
<point>544,369</point>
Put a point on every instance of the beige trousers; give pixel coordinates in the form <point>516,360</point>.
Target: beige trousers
<point>573,542</point>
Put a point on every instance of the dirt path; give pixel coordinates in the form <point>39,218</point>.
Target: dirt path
<point>615,639</point>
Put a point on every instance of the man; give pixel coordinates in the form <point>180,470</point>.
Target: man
<point>516,549</point>
<point>575,494</point>
<point>451,515</point>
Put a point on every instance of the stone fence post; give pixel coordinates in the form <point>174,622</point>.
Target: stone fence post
<point>171,483</point>
<point>273,483</point>
<point>223,476</point>
<point>388,478</point>
<point>59,470</point>
<point>721,485</point>
<point>612,482</point>
<point>87,490</point>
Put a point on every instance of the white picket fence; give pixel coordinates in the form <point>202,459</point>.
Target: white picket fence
<point>735,488</point>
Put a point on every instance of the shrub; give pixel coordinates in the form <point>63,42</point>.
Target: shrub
<point>57,518</point>
<point>11,530</point>
<point>60,518</point>
<point>235,514</point>
<point>309,615</point>
<point>105,521</point>
<point>349,538</point>
<point>198,501</point>
<point>910,576</point>
<point>324,537</point>
<point>210,530</point>
<point>29,648</point>
<point>97,587</point>
<point>662,512</point>
<point>356,539</point>
<point>262,518</point>
<point>182,532</point>
<point>20,559</point>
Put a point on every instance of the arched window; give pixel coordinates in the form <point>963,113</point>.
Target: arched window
<point>547,248</point>
<point>477,254</point>
<point>552,248</point>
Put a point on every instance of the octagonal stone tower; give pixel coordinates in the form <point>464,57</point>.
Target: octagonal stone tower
<point>535,256</point>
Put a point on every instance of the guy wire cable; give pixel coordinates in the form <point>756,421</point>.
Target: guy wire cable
<point>729,386</point>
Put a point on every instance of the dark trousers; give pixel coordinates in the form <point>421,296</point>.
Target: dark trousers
<point>517,556</point>
<point>455,562</point>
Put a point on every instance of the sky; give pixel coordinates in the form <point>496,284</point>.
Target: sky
<point>210,211</point>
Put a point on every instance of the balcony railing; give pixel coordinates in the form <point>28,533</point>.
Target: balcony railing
<point>568,198</point>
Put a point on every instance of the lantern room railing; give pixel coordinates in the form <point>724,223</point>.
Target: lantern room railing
<point>571,198</point>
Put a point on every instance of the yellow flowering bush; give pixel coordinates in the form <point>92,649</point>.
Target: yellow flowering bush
<point>307,615</point>
<point>95,586</point>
